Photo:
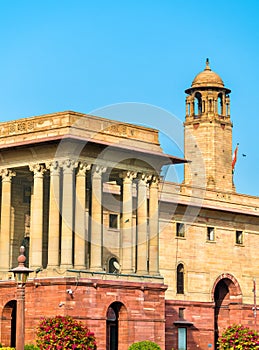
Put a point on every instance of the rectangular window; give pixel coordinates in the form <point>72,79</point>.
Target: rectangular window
<point>210,234</point>
<point>179,229</point>
<point>181,312</point>
<point>113,221</point>
<point>239,237</point>
<point>182,338</point>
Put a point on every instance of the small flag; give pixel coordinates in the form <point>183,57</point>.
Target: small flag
<point>234,158</point>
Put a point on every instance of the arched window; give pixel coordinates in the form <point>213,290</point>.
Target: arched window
<point>220,104</point>
<point>113,265</point>
<point>180,279</point>
<point>197,104</point>
<point>115,337</point>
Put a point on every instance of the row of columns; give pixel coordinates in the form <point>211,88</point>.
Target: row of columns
<point>70,212</point>
<point>208,103</point>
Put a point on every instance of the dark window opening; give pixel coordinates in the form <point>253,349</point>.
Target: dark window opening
<point>180,279</point>
<point>181,312</point>
<point>113,221</point>
<point>197,104</point>
<point>239,237</point>
<point>179,229</point>
<point>220,104</point>
<point>210,234</point>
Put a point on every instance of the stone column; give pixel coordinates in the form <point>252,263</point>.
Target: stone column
<point>153,227</point>
<point>54,215</point>
<point>36,234</point>
<point>67,213</point>
<point>126,223</point>
<point>96,219</point>
<point>80,219</point>
<point>5,236</point>
<point>142,233</point>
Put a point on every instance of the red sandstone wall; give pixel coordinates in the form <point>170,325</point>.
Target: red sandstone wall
<point>201,333</point>
<point>140,318</point>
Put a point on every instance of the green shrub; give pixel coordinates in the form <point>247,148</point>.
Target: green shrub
<point>64,332</point>
<point>144,345</point>
<point>239,337</point>
<point>31,347</point>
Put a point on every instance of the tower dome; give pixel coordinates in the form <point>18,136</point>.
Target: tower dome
<point>207,78</point>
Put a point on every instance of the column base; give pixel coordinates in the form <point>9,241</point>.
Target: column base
<point>154,273</point>
<point>79,267</point>
<point>66,267</point>
<point>142,272</point>
<point>96,269</point>
<point>127,272</point>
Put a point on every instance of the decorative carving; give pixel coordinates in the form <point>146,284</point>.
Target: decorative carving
<point>117,129</point>
<point>37,169</point>
<point>30,125</point>
<point>69,165</point>
<point>7,174</point>
<point>128,176</point>
<point>53,167</point>
<point>142,177</point>
<point>154,181</point>
<point>83,167</point>
<point>98,169</point>
<point>21,126</point>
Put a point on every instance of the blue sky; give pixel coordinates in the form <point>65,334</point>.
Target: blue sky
<point>83,55</point>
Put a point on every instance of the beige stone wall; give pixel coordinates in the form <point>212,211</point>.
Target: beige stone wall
<point>205,260</point>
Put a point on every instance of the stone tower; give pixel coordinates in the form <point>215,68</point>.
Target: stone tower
<point>208,133</point>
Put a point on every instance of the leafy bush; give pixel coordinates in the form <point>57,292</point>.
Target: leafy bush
<point>64,332</point>
<point>144,345</point>
<point>239,337</point>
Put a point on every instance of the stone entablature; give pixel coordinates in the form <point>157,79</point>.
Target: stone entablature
<point>209,199</point>
<point>87,127</point>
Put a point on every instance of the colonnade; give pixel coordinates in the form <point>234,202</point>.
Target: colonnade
<point>215,102</point>
<point>67,232</point>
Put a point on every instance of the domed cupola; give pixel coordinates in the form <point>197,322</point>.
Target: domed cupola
<point>208,128</point>
<point>207,78</point>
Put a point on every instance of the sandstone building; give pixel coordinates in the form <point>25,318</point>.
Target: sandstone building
<point>115,246</point>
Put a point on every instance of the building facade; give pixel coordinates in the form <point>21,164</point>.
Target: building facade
<point>112,244</point>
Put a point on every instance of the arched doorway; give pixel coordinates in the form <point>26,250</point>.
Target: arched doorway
<point>8,328</point>
<point>228,298</point>
<point>115,322</point>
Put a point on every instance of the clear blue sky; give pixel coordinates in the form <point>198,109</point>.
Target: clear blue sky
<point>83,55</point>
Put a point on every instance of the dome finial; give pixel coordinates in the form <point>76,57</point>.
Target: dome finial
<point>207,64</point>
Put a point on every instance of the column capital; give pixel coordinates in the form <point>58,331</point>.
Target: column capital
<point>7,174</point>
<point>154,181</point>
<point>98,170</point>
<point>128,176</point>
<point>37,169</point>
<point>53,167</point>
<point>69,165</point>
<point>83,167</point>
<point>145,178</point>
